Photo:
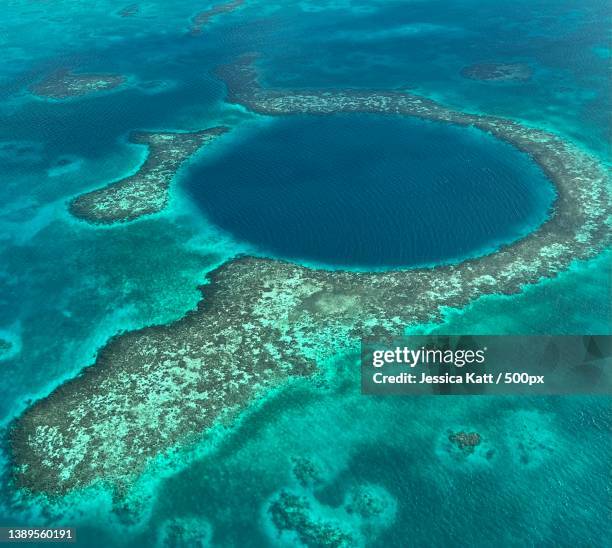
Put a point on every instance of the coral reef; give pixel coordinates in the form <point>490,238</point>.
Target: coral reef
<point>305,470</point>
<point>262,321</point>
<point>367,510</point>
<point>370,502</point>
<point>184,531</point>
<point>203,18</point>
<point>466,441</point>
<point>290,512</point>
<point>65,84</point>
<point>129,10</point>
<point>5,347</point>
<point>146,191</point>
<point>497,72</point>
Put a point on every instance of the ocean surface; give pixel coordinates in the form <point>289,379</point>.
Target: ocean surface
<point>342,191</point>
<point>370,191</point>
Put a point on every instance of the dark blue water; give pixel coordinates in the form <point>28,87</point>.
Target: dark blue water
<point>375,191</point>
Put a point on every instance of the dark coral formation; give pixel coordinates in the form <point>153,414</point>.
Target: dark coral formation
<point>532,438</point>
<point>465,441</point>
<point>305,470</point>
<point>129,11</point>
<point>290,512</point>
<point>5,346</point>
<point>204,17</point>
<point>497,72</point>
<point>367,510</point>
<point>146,191</point>
<point>184,531</point>
<point>20,151</point>
<point>368,501</point>
<point>262,321</point>
<point>65,84</point>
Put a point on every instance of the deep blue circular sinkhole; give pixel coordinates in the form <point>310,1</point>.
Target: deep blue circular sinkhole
<point>371,191</point>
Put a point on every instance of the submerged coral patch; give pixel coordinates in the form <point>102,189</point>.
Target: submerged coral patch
<point>295,513</point>
<point>146,191</point>
<point>465,441</point>
<point>201,19</point>
<point>367,510</point>
<point>65,84</point>
<point>5,347</point>
<point>497,72</point>
<point>184,531</point>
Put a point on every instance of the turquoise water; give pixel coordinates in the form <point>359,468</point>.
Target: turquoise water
<point>66,287</point>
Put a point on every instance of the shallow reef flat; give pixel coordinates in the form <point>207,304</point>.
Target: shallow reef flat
<point>146,191</point>
<point>65,84</point>
<point>200,20</point>
<point>262,321</point>
<point>215,359</point>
